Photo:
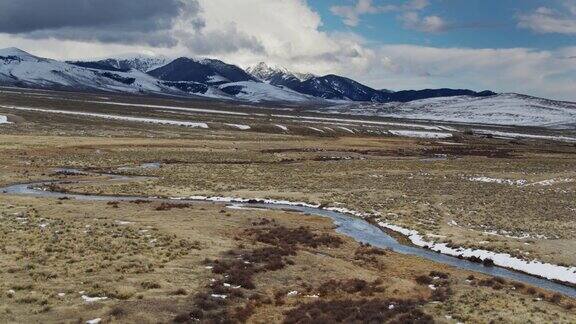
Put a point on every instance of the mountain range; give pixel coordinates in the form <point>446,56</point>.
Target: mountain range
<point>190,77</point>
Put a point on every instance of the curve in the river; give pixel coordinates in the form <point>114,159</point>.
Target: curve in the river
<point>354,227</point>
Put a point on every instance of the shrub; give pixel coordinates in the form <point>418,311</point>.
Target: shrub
<point>150,285</point>
<point>441,293</point>
<point>518,285</point>
<point>438,274</point>
<point>117,312</point>
<point>556,298</point>
<point>182,318</point>
<point>423,280</point>
<point>357,311</point>
<point>488,262</point>
<point>124,292</point>
<point>496,283</point>
<point>349,286</point>
<point>179,292</point>
<point>282,236</point>
<point>242,314</point>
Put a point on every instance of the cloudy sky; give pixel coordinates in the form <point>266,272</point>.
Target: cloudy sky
<point>526,46</point>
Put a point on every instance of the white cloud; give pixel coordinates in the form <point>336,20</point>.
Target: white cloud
<point>351,14</point>
<point>546,20</point>
<point>68,49</point>
<point>289,33</point>
<point>428,24</point>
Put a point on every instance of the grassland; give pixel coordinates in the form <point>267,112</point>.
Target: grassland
<point>162,264</point>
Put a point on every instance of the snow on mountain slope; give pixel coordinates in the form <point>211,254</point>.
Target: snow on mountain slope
<point>207,71</point>
<point>259,92</point>
<point>23,69</point>
<point>330,87</point>
<point>339,88</point>
<point>16,52</point>
<point>18,68</point>
<point>265,72</point>
<point>140,62</point>
<point>503,109</point>
<point>335,87</point>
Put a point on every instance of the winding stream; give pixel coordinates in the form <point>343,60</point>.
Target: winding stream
<point>354,227</point>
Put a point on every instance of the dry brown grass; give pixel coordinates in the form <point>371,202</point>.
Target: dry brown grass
<point>163,276</point>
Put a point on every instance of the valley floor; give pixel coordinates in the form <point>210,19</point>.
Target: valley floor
<point>156,262</point>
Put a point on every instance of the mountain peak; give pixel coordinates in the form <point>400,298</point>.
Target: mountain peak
<point>209,71</point>
<point>266,72</point>
<point>14,51</point>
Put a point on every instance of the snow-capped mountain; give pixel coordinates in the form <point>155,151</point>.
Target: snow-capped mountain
<point>181,77</point>
<point>209,75</point>
<point>336,87</point>
<point>19,68</point>
<point>326,87</point>
<point>339,88</point>
<point>275,74</point>
<point>142,63</point>
<point>502,109</point>
<point>205,71</point>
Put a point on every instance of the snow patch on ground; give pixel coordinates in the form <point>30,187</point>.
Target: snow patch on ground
<point>346,129</point>
<point>528,136</point>
<point>316,129</point>
<point>551,182</point>
<point>201,110</point>
<point>4,120</point>
<point>506,234</point>
<point>239,126</point>
<point>420,134</point>
<point>522,182</point>
<point>545,270</point>
<point>88,299</point>
<point>282,127</point>
<point>359,121</point>
<point>116,117</point>
<point>245,200</point>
